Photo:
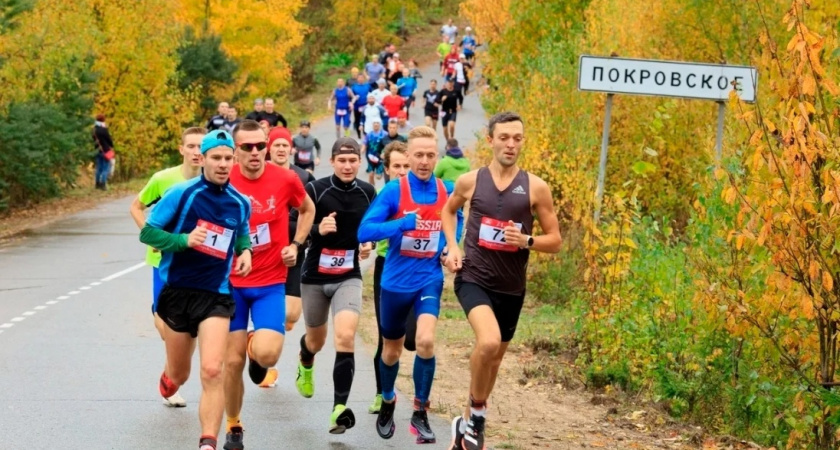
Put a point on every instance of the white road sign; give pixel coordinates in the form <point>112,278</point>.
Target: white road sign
<point>666,78</point>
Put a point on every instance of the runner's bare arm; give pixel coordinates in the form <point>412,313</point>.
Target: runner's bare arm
<point>543,205</point>
<point>464,187</point>
<point>136,210</point>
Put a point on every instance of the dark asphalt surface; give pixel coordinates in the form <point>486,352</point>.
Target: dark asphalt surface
<point>80,358</point>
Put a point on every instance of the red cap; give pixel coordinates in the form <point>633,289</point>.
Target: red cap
<point>402,115</point>
<point>279,133</point>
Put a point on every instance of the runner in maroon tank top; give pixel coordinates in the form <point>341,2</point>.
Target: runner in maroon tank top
<point>490,284</point>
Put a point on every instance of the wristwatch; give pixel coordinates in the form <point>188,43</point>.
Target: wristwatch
<point>297,244</point>
<point>530,242</point>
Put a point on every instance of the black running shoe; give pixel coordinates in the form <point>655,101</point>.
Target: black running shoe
<point>233,440</point>
<point>256,372</point>
<point>474,434</point>
<point>457,436</point>
<point>420,427</point>
<point>385,422</point>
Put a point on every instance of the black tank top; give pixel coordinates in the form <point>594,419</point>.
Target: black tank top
<point>488,260</point>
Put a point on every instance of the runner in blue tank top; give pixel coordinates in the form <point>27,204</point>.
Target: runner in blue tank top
<point>344,98</point>
<point>407,213</point>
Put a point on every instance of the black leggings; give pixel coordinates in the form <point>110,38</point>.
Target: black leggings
<point>410,323</point>
<point>357,120</point>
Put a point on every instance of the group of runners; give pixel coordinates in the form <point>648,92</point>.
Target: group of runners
<point>244,240</point>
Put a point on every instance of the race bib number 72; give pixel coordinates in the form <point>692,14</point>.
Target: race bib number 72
<point>491,235</point>
<point>217,242</point>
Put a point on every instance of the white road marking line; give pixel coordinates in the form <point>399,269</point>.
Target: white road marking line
<point>123,272</point>
<point>23,316</point>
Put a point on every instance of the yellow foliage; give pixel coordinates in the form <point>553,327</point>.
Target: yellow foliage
<point>257,34</point>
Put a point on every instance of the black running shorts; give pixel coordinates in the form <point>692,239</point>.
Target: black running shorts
<point>449,117</point>
<point>293,277</point>
<point>183,309</point>
<point>506,307</point>
<point>306,166</point>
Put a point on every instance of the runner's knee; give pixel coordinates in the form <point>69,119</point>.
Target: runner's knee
<point>487,347</point>
<point>235,363</point>
<point>211,371</point>
<point>425,344</point>
<point>344,339</point>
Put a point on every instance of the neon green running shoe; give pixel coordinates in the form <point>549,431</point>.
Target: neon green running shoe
<point>304,381</point>
<point>377,403</point>
<point>342,419</point>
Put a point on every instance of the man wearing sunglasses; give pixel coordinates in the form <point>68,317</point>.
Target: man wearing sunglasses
<point>272,190</point>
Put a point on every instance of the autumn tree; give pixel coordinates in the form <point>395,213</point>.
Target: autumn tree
<point>788,221</point>
<point>257,34</point>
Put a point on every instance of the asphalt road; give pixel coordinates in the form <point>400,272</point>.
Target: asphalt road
<point>80,358</point>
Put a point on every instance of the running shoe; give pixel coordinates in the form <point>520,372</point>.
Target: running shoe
<point>385,422</point>
<point>420,427</point>
<point>166,386</point>
<point>377,403</point>
<point>474,434</point>
<point>270,379</point>
<point>457,435</point>
<point>175,401</point>
<point>255,371</point>
<point>304,381</point>
<point>233,439</point>
<point>206,443</point>
<point>342,419</point>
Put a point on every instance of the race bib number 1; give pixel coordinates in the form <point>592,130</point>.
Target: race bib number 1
<point>420,243</point>
<point>336,262</point>
<point>217,242</point>
<point>491,235</point>
<point>260,238</point>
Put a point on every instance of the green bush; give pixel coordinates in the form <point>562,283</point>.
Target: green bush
<point>46,139</point>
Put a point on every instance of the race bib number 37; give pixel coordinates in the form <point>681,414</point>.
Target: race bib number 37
<point>217,242</point>
<point>491,235</point>
<point>420,243</point>
<point>336,262</point>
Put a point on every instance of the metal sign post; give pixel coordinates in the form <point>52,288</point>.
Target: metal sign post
<point>666,79</point>
<point>602,165</point>
<point>719,138</point>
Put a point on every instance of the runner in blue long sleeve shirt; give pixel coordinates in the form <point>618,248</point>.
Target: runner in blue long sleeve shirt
<point>407,213</point>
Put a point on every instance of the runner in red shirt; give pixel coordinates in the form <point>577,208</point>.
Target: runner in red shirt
<point>449,63</point>
<point>393,103</point>
<point>272,191</point>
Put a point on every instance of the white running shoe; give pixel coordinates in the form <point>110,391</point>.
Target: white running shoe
<point>176,401</point>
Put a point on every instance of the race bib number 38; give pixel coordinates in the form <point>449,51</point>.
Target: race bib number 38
<point>217,242</point>
<point>336,262</point>
<point>420,243</point>
<point>260,238</point>
<point>491,235</point>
